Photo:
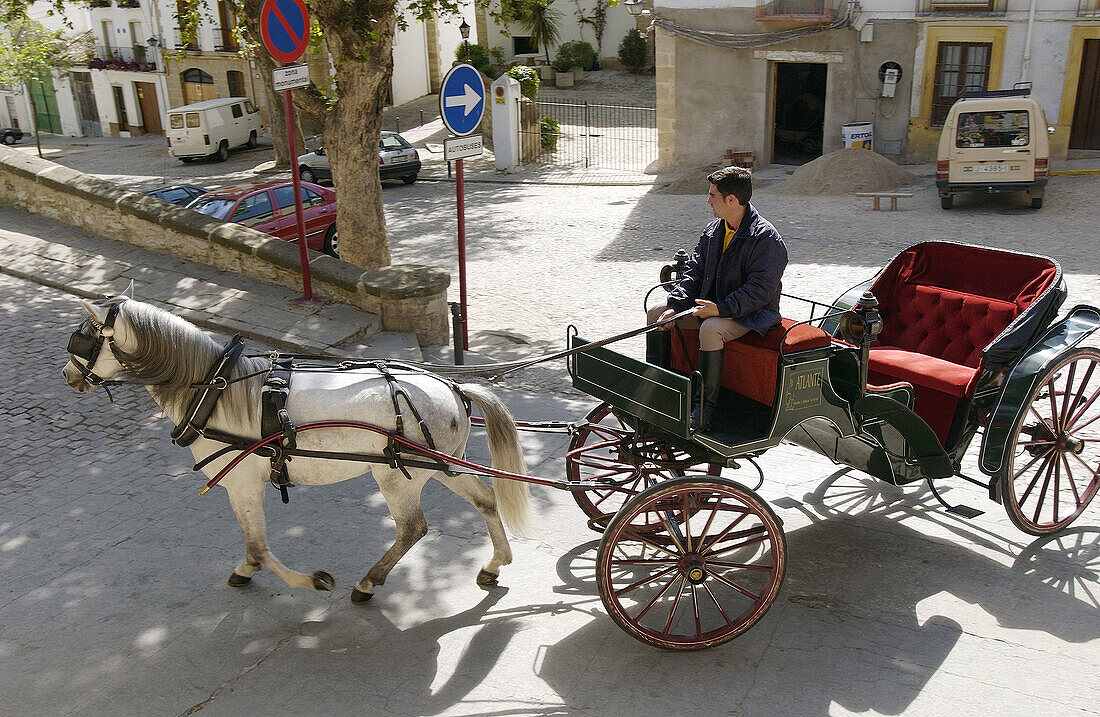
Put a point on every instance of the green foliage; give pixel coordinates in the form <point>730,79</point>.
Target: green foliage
<point>31,51</point>
<point>576,53</point>
<point>499,61</point>
<point>548,126</point>
<point>528,80</point>
<point>543,22</point>
<point>632,50</point>
<point>477,56</point>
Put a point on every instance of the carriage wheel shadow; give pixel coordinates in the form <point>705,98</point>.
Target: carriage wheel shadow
<point>856,588</point>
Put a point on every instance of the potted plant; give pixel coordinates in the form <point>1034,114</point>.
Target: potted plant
<point>632,50</point>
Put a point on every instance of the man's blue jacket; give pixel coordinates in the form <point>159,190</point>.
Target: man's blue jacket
<point>745,280</point>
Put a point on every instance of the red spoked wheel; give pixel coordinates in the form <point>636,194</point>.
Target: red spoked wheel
<point>596,456</point>
<point>711,573</point>
<point>1053,471</point>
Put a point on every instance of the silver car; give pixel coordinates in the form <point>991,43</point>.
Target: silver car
<point>396,160</point>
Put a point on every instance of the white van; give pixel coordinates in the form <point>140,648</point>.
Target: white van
<point>994,141</point>
<point>212,127</point>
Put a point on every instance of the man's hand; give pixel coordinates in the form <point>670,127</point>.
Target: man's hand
<point>669,313</point>
<point>705,309</point>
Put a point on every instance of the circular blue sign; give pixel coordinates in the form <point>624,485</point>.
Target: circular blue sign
<point>284,28</point>
<point>462,100</point>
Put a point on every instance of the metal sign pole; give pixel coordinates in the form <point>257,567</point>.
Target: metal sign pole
<point>303,251</point>
<point>460,192</point>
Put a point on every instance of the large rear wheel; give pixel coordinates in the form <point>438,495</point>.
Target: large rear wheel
<point>711,574</point>
<point>1053,471</point>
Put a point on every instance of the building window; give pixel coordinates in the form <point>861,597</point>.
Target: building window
<point>960,67</point>
<point>523,46</point>
<point>236,83</point>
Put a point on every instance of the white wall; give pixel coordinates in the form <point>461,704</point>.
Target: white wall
<point>410,64</point>
<point>619,22</point>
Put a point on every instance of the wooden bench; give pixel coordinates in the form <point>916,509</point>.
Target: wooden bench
<point>892,196</point>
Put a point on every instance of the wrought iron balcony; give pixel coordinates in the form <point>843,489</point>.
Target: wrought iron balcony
<point>129,3</point>
<point>961,8</point>
<point>796,10</point>
<point>227,40</point>
<point>1088,8</point>
<point>132,59</point>
<point>187,39</point>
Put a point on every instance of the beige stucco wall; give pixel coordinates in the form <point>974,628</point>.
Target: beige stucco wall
<point>710,99</point>
<point>409,298</point>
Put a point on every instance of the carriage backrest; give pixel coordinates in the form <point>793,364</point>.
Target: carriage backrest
<point>952,301</point>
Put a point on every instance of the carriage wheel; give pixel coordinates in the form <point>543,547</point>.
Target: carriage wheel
<point>705,579</point>
<point>1054,468</point>
<point>595,456</point>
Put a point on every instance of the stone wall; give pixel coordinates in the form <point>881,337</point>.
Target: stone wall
<point>409,298</point>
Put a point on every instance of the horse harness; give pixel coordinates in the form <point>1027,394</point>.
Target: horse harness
<point>275,418</point>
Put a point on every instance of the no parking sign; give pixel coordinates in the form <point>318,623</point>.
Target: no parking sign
<point>284,27</point>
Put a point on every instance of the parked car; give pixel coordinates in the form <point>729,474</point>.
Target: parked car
<point>994,141</point>
<point>212,128</point>
<point>11,135</point>
<point>268,206</point>
<point>181,194</point>
<point>396,160</point>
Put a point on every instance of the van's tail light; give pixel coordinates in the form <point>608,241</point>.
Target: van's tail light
<point>206,138</point>
<point>1041,166</point>
<point>942,170</point>
<point>169,141</point>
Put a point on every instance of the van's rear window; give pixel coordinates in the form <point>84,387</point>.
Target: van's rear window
<point>993,129</point>
<point>192,119</point>
<point>175,121</point>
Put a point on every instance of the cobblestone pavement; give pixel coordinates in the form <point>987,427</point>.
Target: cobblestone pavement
<point>114,598</point>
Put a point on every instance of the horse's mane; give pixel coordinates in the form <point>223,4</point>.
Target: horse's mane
<point>172,354</point>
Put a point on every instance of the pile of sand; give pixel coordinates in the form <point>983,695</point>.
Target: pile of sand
<point>847,171</point>
<point>693,182</point>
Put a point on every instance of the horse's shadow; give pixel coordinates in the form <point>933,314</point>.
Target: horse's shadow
<point>856,617</point>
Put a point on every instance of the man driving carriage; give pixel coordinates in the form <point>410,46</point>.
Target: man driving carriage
<point>733,279</point>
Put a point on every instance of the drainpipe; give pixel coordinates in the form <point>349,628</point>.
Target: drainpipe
<point>1024,68</point>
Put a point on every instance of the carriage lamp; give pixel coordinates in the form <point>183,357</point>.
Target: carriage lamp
<point>866,309</point>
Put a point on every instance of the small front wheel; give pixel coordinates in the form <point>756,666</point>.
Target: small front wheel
<point>409,179</point>
<point>252,140</point>
<point>709,576</point>
<point>9,139</point>
<point>306,174</point>
<point>223,151</point>
<point>1053,470</point>
<point>332,242</point>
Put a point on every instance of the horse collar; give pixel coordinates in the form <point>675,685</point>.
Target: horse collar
<point>206,398</point>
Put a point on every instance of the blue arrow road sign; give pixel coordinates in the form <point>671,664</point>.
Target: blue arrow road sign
<point>462,100</point>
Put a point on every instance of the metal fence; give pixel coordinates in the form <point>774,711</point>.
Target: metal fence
<point>585,136</point>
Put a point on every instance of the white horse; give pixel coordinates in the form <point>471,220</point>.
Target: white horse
<point>168,355</point>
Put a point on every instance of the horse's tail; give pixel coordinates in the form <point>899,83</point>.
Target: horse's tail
<point>507,455</point>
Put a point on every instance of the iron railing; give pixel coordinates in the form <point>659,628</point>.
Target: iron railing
<point>135,59</point>
<point>187,40</point>
<point>796,10</point>
<point>227,40</point>
<point>962,8</point>
<point>590,136</point>
<point>1088,8</point>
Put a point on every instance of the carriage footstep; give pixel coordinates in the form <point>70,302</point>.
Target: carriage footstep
<point>323,580</point>
<point>359,597</point>
<point>238,581</point>
<point>486,578</point>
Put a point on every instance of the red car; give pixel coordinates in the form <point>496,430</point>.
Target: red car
<point>268,206</point>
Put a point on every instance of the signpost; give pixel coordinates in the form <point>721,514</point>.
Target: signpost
<point>284,28</point>
<point>461,107</point>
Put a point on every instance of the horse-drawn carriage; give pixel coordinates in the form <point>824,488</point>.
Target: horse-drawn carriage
<point>896,378</point>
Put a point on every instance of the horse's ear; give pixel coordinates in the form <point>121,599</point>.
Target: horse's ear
<point>98,313</point>
<point>129,291</point>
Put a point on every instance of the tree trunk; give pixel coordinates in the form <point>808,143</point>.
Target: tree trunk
<point>273,101</point>
<point>34,120</point>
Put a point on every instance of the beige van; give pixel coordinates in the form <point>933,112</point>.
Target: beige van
<point>212,127</point>
<point>994,141</point>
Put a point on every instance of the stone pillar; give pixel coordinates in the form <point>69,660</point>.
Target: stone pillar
<point>665,67</point>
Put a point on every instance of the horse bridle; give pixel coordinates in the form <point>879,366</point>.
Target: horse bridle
<point>85,345</point>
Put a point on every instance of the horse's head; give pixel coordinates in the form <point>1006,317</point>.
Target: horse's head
<point>94,346</point>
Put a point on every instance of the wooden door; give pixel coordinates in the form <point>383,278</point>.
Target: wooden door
<point>150,108</point>
<point>1085,131</point>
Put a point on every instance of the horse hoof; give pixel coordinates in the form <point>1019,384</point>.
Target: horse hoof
<point>323,580</point>
<point>484,577</point>
<point>238,581</point>
<point>359,597</point>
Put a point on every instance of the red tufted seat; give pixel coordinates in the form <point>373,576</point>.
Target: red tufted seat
<point>750,364</point>
<point>942,305</point>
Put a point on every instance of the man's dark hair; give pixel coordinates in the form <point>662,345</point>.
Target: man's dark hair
<point>733,180</point>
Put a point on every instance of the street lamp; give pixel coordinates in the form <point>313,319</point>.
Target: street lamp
<point>634,7</point>
<point>464,28</point>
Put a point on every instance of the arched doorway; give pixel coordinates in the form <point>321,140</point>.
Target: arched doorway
<point>197,86</point>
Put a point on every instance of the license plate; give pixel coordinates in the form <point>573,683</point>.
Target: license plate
<point>992,168</point>
<point>398,160</point>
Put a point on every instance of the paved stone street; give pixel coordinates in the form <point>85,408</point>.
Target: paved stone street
<point>114,599</point>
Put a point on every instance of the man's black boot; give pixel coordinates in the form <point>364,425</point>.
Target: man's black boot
<point>658,348</point>
<point>710,365</point>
